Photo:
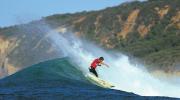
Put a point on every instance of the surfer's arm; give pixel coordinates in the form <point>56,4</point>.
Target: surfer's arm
<point>105,64</point>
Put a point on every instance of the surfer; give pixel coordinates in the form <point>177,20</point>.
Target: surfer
<point>95,63</point>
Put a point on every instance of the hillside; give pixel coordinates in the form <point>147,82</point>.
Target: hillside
<point>148,31</point>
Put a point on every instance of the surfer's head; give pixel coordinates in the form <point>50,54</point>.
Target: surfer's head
<point>101,58</point>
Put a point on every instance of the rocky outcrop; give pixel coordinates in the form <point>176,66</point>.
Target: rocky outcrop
<point>143,30</point>
<point>176,20</point>
<point>97,23</point>
<point>6,47</point>
<point>79,20</point>
<point>162,11</point>
<point>129,23</point>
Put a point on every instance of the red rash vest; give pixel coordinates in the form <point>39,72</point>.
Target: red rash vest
<point>95,63</point>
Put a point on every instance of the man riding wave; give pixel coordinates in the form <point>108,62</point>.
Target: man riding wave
<point>95,63</point>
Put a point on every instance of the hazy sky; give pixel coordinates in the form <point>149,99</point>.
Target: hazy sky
<point>22,11</point>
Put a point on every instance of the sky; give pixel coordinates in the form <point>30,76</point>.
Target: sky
<point>23,11</point>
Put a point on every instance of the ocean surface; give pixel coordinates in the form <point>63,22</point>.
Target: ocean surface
<point>59,79</point>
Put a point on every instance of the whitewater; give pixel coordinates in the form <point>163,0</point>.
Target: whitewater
<point>124,75</point>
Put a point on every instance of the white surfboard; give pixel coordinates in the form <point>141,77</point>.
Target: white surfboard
<point>98,81</point>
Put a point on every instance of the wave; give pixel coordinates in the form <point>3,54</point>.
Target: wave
<point>58,69</point>
<point>57,79</point>
<point>57,73</point>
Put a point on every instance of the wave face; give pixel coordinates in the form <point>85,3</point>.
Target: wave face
<point>57,79</point>
<point>59,69</point>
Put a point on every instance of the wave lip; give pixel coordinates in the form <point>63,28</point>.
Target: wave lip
<point>57,79</point>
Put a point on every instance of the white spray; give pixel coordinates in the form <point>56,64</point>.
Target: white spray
<point>125,76</point>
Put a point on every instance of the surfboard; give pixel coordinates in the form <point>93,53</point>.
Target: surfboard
<point>97,81</point>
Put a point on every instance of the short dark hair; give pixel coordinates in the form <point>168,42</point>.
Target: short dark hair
<point>101,58</point>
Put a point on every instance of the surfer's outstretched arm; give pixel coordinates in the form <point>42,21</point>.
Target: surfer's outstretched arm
<point>105,64</point>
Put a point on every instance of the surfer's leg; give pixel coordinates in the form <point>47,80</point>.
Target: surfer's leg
<point>93,71</point>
